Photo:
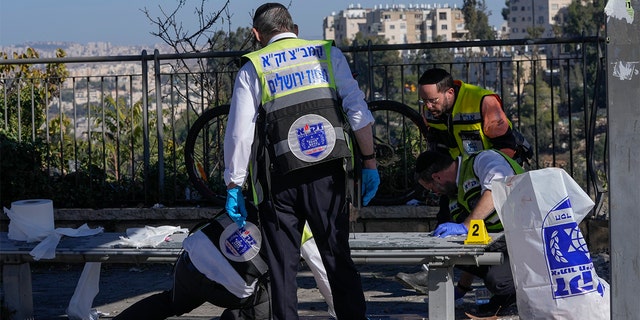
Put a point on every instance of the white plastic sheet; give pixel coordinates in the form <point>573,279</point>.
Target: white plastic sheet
<point>46,249</point>
<point>86,290</point>
<point>551,265</point>
<point>149,236</point>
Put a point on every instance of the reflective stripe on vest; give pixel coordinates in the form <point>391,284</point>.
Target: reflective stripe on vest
<point>303,124</point>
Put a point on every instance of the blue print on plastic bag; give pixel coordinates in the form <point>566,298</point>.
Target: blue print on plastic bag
<point>570,266</point>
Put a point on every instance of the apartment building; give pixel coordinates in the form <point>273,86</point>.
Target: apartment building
<point>416,23</point>
<point>526,14</point>
<point>399,24</point>
<point>343,26</point>
<point>423,23</point>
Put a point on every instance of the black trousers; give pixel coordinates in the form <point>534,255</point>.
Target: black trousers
<point>316,195</point>
<point>190,290</point>
<point>497,278</point>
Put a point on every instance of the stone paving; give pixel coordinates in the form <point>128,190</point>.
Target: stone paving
<point>122,285</point>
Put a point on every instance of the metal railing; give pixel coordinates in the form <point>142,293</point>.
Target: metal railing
<point>113,136</point>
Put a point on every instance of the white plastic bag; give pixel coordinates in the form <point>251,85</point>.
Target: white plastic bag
<point>149,237</point>
<point>86,290</point>
<point>551,265</point>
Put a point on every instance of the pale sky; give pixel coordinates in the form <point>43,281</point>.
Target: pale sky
<point>122,22</point>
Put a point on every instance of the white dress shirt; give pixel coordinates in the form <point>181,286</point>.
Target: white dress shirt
<point>489,166</point>
<point>246,101</point>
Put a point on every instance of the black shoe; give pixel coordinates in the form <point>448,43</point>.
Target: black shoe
<point>459,291</point>
<point>497,305</point>
<point>417,281</point>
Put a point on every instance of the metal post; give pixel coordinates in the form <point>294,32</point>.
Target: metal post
<point>441,293</point>
<point>623,85</point>
<point>145,122</point>
<point>160,125</point>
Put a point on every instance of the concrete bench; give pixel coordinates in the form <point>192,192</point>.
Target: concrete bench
<point>413,248</point>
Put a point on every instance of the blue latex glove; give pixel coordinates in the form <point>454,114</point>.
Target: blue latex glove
<point>450,229</point>
<point>370,183</point>
<point>235,206</point>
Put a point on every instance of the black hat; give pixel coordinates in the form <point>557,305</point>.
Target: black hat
<point>423,161</point>
<point>428,159</point>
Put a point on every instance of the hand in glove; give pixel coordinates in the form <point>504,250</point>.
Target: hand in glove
<point>235,206</point>
<point>450,229</point>
<point>370,183</point>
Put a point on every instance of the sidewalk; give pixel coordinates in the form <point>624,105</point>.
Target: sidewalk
<point>122,285</point>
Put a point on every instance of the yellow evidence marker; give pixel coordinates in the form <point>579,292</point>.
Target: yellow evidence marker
<point>477,233</point>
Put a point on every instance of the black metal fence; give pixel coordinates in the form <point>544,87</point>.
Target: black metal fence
<point>113,134</point>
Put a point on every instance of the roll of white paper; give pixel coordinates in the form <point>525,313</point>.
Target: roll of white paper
<point>30,220</point>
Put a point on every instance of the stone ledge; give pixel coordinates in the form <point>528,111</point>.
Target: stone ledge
<point>196,213</point>
<point>397,212</point>
<point>372,219</point>
<point>119,219</point>
<point>395,219</point>
<point>179,213</point>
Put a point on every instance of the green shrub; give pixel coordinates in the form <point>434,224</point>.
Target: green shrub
<point>21,174</point>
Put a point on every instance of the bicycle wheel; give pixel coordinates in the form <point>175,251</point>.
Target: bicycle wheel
<point>203,154</point>
<point>399,134</point>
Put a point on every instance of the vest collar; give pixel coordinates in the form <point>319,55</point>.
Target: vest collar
<point>280,36</point>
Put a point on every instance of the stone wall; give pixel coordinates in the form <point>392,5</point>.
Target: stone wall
<point>367,219</point>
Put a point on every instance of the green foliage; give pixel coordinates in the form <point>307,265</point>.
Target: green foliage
<point>506,10</point>
<point>93,168</point>
<point>476,20</point>
<point>435,55</point>
<point>24,176</point>
<point>120,129</point>
<point>21,174</point>
<point>535,32</point>
<point>587,19</point>
<point>396,155</point>
<point>536,114</point>
<point>223,69</point>
<point>27,90</point>
<point>385,69</point>
<point>584,18</point>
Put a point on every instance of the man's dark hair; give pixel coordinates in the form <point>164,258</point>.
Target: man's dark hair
<point>430,162</point>
<point>272,18</point>
<point>440,77</point>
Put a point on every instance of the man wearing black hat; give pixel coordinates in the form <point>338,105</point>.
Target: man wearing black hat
<point>463,119</point>
<point>294,112</point>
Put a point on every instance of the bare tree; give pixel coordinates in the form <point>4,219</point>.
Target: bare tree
<point>212,33</point>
